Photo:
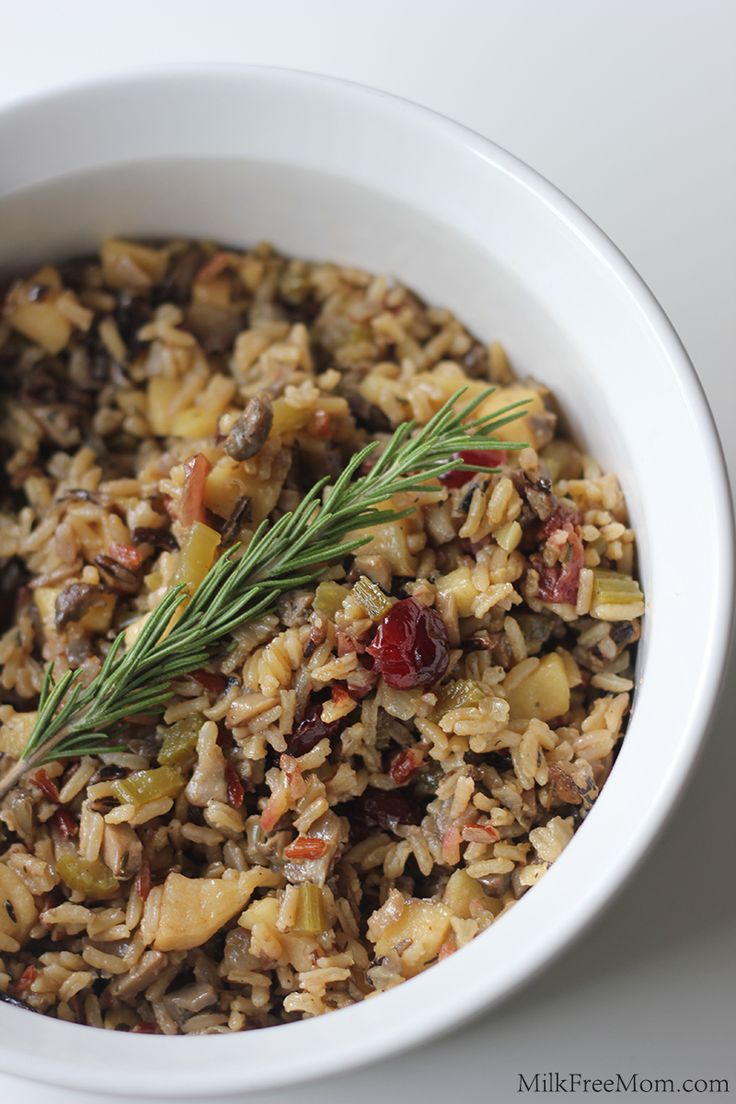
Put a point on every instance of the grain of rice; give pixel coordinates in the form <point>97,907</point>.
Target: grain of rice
<point>121,814</point>
<point>107,963</point>
<point>614,684</point>
<point>207,837</point>
<point>186,708</point>
<point>74,984</point>
<point>150,811</point>
<point>224,820</point>
<point>515,638</point>
<point>490,866</point>
<point>550,840</point>
<point>91,831</point>
<point>67,914</point>
<point>77,780</point>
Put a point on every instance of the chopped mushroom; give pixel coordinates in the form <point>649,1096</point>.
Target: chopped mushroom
<point>249,434</point>
<point>81,601</point>
<point>192,998</point>
<point>367,414</point>
<point>122,851</point>
<point>294,606</point>
<point>18,912</point>
<point>208,781</point>
<point>329,829</point>
<point>116,576</point>
<point>538,494</point>
<point>58,422</point>
<point>414,930</point>
<point>139,977</point>
<point>241,514</point>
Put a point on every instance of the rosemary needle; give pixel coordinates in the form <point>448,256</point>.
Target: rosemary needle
<point>77,720</point>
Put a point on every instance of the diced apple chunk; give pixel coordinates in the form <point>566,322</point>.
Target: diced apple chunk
<point>132,267</point>
<point>544,693</point>
<point>159,402</point>
<point>42,323</point>
<point>44,599</point>
<point>197,555</point>
<point>522,428</point>
<point>263,911</point>
<point>18,912</point>
<point>390,540</point>
<point>193,909</point>
<point>15,728</point>
<point>226,484</point>
<point>416,934</point>
<point>287,418</point>
<point>464,896</point>
<point>458,584</point>
<point>201,418</point>
<point>37,317</point>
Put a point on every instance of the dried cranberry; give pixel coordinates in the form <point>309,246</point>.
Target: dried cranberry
<point>211,681</point>
<point>404,766</point>
<point>562,517</point>
<point>235,789</point>
<point>560,582</point>
<point>310,731</point>
<point>159,538</point>
<point>382,809</point>
<point>484,458</point>
<point>411,646</point>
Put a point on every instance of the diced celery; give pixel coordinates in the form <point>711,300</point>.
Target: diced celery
<point>148,785</point>
<point>614,588</point>
<point>373,600</point>
<point>180,741</point>
<point>93,879</point>
<point>310,915</point>
<point>328,598</point>
<point>458,695</point>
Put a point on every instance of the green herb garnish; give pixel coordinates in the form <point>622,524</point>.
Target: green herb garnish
<point>75,720</point>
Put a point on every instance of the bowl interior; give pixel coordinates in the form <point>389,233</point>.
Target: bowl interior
<point>325,170</point>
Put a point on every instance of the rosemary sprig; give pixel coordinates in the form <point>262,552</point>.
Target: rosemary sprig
<point>75,720</point>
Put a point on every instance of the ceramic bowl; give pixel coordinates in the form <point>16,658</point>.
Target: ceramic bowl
<point>325,169</point>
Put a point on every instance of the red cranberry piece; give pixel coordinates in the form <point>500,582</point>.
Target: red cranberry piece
<point>410,646</point>
<point>310,731</point>
<point>382,809</point>
<point>560,582</point>
<point>484,458</point>
<point>562,517</point>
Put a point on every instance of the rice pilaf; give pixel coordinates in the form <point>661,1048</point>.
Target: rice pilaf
<point>308,823</point>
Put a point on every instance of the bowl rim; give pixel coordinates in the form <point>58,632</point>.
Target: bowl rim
<point>159,1077</point>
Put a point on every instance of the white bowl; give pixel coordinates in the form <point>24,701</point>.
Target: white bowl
<point>326,169</point>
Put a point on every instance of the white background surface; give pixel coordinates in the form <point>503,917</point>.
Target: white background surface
<point>628,106</point>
